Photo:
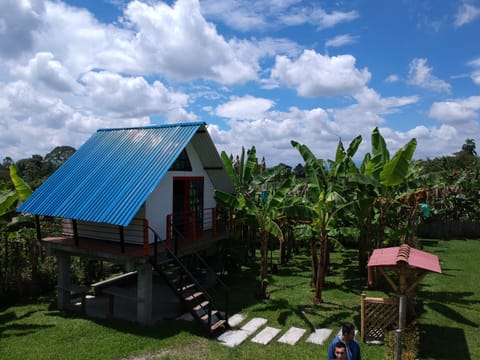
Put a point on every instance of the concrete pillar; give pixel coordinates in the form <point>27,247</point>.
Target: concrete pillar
<point>64,280</point>
<point>144,294</point>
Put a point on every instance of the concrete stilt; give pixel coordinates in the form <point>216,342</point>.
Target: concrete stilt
<point>64,280</point>
<point>144,294</point>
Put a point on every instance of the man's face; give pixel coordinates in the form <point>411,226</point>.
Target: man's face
<point>340,353</point>
<point>349,336</point>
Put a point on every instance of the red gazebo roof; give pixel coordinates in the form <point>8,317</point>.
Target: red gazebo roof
<point>405,254</point>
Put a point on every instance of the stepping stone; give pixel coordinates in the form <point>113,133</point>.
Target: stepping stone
<point>233,338</point>
<point>292,335</point>
<point>235,319</point>
<point>319,336</point>
<point>266,335</point>
<point>253,325</point>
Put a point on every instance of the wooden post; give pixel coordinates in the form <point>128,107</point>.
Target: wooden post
<point>37,227</point>
<point>362,317</point>
<point>214,221</point>
<point>122,239</point>
<point>169,231</point>
<point>75,231</point>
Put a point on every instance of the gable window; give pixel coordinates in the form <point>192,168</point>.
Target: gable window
<point>182,163</point>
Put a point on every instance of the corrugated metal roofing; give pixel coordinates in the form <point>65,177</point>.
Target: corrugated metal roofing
<point>109,177</point>
<point>413,257</point>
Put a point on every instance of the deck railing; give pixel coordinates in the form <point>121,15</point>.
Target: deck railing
<point>191,226</point>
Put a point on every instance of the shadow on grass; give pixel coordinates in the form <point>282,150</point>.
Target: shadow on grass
<point>442,343</point>
<point>451,314</point>
<point>9,326</point>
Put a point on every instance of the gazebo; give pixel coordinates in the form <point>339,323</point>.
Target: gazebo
<point>410,266</point>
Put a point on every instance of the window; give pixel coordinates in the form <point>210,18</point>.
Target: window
<point>182,163</point>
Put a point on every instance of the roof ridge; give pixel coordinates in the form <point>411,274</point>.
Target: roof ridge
<point>160,126</point>
<point>403,253</point>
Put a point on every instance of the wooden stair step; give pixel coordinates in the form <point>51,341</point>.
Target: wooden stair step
<point>217,325</point>
<point>186,287</point>
<point>193,296</point>
<point>205,317</point>
<point>200,306</point>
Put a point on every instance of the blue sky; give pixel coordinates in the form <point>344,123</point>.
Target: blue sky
<point>259,73</point>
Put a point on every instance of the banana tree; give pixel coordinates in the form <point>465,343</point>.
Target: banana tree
<point>379,181</point>
<point>323,197</point>
<point>265,209</point>
<point>10,198</point>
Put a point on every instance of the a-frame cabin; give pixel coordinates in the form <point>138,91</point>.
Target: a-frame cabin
<point>138,197</point>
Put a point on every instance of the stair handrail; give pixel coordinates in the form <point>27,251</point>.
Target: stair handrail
<point>155,241</point>
<point>219,280</point>
<point>193,278</point>
<point>174,256</point>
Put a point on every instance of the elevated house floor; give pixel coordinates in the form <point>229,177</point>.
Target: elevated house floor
<point>146,295</point>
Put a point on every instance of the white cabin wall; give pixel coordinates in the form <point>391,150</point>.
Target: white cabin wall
<point>160,202</point>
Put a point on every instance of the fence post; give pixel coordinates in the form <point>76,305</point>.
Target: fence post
<point>362,317</point>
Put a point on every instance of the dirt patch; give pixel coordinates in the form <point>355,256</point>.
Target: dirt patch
<point>196,350</point>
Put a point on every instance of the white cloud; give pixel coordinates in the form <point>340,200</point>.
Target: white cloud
<point>45,70</point>
<point>457,111</point>
<point>244,108</point>
<point>178,42</point>
<point>420,74</point>
<point>313,74</point>
<point>392,78</point>
<point>475,75</point>
<point>267,14</point>
<point>466,14</point>
<point>341,40</point>
<point>125,97</point>
<point>18,21</point>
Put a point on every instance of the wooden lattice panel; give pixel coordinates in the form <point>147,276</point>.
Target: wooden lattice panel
<point>377,315</point>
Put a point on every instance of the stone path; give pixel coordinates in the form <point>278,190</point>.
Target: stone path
<point>291,336</point>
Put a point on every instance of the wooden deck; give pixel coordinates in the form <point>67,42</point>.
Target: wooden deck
<point>113,251</point>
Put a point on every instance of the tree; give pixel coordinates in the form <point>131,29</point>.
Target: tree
<point>323,200</point>
<point>469,147</point>
<point>59,155</point>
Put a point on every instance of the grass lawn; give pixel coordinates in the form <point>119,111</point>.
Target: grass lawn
<point>449,314</point>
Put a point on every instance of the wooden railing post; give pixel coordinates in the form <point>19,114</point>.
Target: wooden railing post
<point>214,221</point>
<point>169,231</point>
<point>362,317</point>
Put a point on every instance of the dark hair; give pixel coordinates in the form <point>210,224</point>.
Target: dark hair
<point>347,328</point>
<point>340,344</point>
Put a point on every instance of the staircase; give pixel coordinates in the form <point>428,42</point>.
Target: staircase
<point>192,294</point>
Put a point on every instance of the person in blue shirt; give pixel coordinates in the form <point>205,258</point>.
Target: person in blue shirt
<point>351,345</point>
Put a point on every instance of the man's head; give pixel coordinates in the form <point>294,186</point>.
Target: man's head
<point>348,332</point>
<point>340,351</point>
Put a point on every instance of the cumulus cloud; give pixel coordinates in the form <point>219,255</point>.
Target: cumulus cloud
<point>122,96</point>
<point>457,111</point>
<point>466,14</point>
<point>254,121</point>
<point>420,74</point>
<point>43,69</point>
<point>262,15</point>
<point>245,108</point>
<point>313,74</point>
<point>178,42</point>
<point>18,22</point>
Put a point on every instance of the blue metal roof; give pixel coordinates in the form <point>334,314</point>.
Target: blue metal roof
<point>110,176</point>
